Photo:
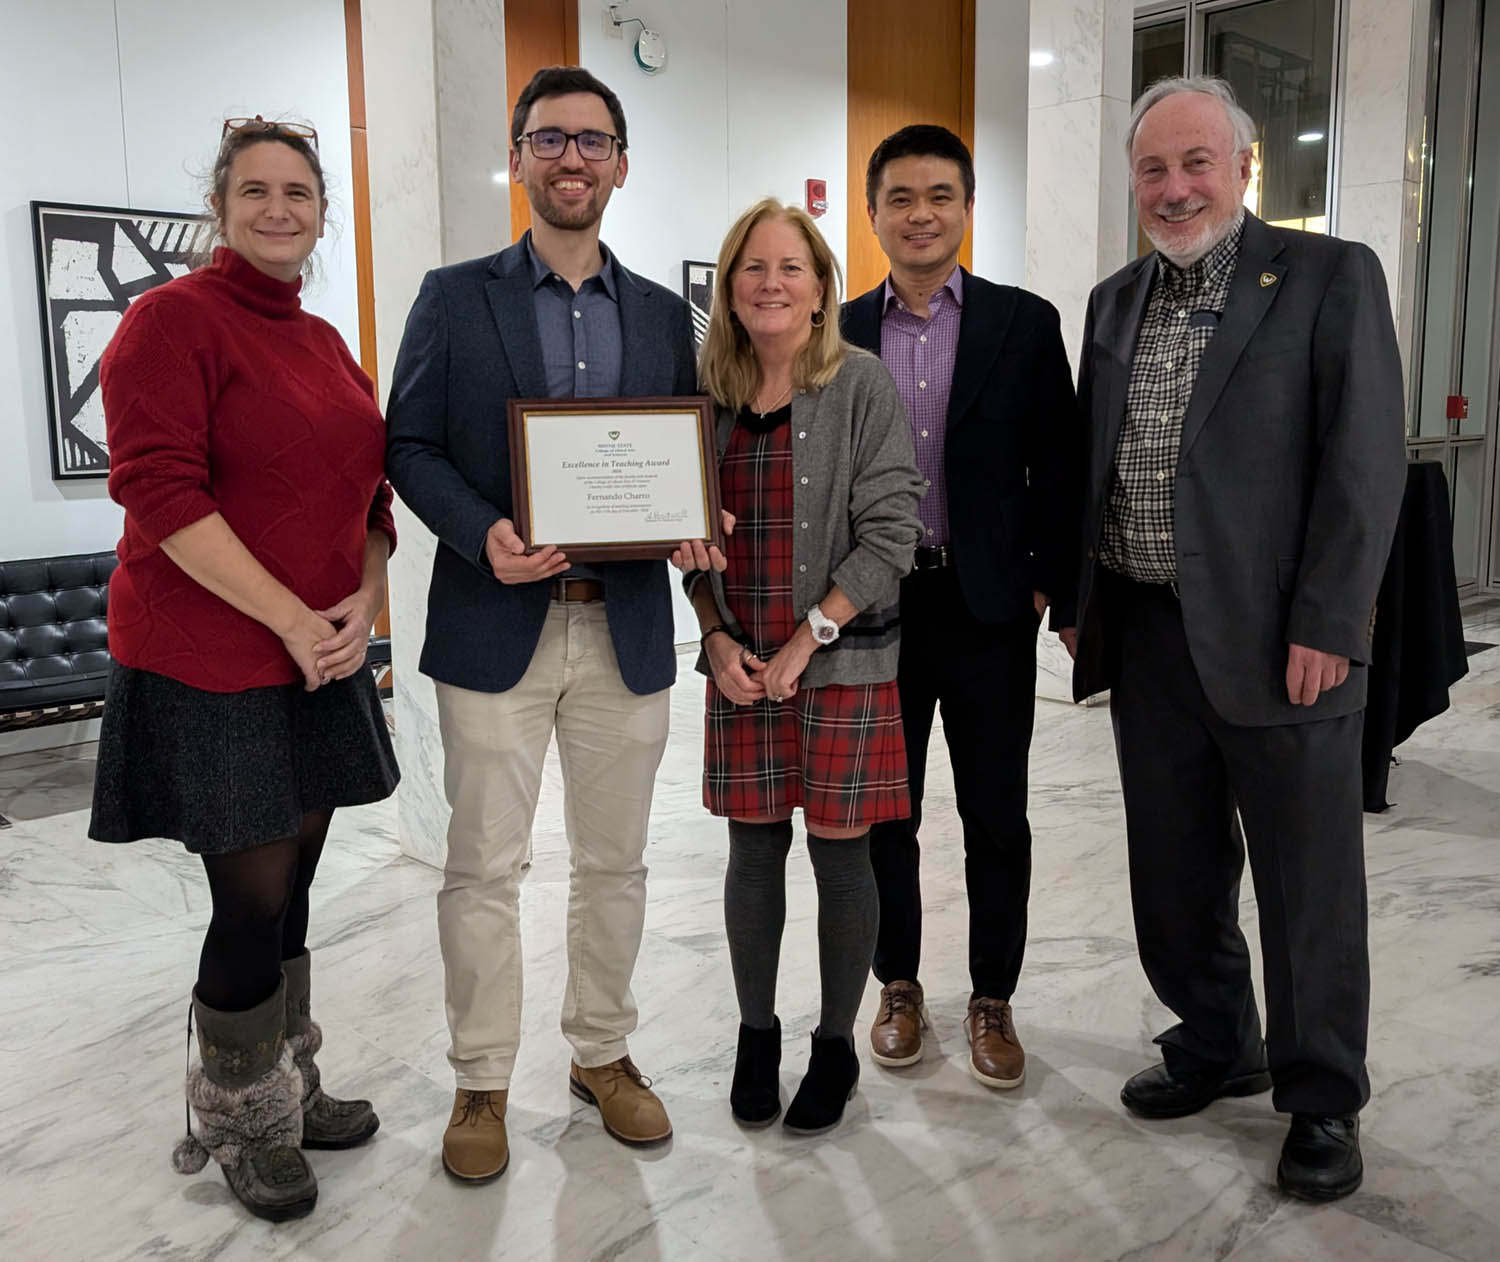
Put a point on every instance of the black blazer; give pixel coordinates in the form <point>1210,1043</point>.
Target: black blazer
<point>1289,478</point>
<point>471,343</point>
<point>1010,448</point>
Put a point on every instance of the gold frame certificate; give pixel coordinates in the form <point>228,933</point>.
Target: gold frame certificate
<point>614,479</point>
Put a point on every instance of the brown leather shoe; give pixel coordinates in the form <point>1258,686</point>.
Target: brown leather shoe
<point>995,1054</point>
<point>623,1096</point>
<point>475,1146</point>
<point>896,1036</point>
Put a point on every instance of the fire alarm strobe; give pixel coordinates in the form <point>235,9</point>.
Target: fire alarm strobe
<point>817,198</point>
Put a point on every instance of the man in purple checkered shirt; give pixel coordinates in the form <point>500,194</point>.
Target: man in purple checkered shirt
<point>986,383</point>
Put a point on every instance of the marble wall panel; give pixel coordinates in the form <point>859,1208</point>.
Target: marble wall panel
<point>1063,146</point>
<point>473,126</point>
<point>406,239</point>
<point>1115,247</point>
<point>1381,129</point>
<point>1372,213</point>
<point>1073,33</point>
<point>1077,187</point>
<point>1377,74</point>
<point>1000,105</point>
<point>423,810</point>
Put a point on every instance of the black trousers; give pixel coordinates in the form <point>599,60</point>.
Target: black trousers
<point>983,678</point>
<point>1296,789</point>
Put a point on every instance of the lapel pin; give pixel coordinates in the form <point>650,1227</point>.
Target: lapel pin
<point>1267,279</point>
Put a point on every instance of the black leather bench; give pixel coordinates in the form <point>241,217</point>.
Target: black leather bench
<point>54,647</point>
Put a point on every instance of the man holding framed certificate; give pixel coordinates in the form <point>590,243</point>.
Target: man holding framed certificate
<point>522,640</point>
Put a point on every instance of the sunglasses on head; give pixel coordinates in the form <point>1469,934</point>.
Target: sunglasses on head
<point>301,130</point>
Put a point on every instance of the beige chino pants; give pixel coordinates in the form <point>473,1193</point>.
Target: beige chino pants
<point>611,742</point>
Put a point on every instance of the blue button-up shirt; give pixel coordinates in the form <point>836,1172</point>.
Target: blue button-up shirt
<point>581,340</point>
<point>580,331</point>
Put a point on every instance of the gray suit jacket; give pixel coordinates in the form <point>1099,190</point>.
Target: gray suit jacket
<point>471,343</point>
<point>1289,478</point>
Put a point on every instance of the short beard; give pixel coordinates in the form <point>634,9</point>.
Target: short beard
<point>1181,254</point>
<point>573,219</point>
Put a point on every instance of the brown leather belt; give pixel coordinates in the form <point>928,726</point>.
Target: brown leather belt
<point>576,590</point>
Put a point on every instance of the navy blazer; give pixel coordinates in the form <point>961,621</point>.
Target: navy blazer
<point>1289,475</point>
<point>471,343</point>
<point>1009,453</point>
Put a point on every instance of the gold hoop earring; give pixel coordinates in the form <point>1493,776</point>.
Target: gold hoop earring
<point>819,318</point>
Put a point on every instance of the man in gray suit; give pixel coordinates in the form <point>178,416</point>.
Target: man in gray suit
<point>1241,388</point>
<point>524,644</point>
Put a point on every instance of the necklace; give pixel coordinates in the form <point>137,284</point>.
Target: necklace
<point>782,398</point>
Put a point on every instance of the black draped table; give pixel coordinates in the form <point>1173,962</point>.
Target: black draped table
<point>1418,649</point>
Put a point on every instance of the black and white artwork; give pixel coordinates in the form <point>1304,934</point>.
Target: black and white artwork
<point>92,262</point>
<point>698,289</point>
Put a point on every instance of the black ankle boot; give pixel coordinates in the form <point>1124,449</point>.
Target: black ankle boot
<point>832,1074</point>
<point>755,1094</point>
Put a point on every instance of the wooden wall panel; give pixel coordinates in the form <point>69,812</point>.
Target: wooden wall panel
<point>360,209</point>
<point>537,33</point>
<point>364,269</point>
<point>924,74</point>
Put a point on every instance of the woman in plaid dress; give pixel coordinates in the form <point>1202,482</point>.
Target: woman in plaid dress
<point>800,637</point>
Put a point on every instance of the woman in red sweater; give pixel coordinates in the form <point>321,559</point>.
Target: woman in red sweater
<point>247,449</point>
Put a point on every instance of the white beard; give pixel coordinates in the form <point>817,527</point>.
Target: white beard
<point>1185,251</point>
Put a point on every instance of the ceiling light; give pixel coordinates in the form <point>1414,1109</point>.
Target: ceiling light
<point>501,177</point>
<point>1042,59</point>
<point>1310,137</point>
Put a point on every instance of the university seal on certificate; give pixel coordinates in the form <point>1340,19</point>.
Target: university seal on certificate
<point>614,479</point>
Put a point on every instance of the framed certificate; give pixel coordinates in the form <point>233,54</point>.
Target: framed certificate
<point>614,479</point>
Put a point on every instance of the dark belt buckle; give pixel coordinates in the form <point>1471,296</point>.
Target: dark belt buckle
<point>932,558</point>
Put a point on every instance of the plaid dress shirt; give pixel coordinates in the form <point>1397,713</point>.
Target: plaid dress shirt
<point>1138,538</point>
<point>920,354</point>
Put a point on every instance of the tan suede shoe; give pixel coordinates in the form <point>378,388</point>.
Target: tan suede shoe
<point>896,1036</point>
<point>623,1096</point>
<point>995,1054</point>
<point>475,1146</point>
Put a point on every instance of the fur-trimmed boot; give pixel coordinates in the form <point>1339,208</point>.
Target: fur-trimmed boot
<point>247,1094</point>
<point>326,1122</point>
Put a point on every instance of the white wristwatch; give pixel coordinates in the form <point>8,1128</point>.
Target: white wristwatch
<point>825,630</point>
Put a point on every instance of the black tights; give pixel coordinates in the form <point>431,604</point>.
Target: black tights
<point>259,917</point>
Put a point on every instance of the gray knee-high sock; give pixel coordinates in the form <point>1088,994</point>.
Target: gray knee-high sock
<point>755,914</point>
<point>848,917</point>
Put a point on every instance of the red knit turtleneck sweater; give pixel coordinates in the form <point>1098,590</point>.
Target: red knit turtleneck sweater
<point>222,394</point>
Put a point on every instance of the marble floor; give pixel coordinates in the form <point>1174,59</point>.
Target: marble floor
<point>97,951</point>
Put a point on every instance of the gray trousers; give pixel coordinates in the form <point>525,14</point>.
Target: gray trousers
<point>1296,787</point>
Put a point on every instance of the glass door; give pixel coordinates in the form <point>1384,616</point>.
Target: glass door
<point>1452,417</point>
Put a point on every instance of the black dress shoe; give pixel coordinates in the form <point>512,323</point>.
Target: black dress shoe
<point>1320,1159</point>
<point>1159,1092</point>
<point>755,1094</point>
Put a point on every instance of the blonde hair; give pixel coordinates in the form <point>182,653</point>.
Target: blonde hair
<point>727,368</point>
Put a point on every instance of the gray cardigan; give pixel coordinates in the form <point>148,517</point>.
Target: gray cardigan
<point>855,489</point>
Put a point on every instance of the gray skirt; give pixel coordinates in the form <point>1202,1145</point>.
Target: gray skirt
<point>224,771</point>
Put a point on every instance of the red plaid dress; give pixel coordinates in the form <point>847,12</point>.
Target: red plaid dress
<point>835,751</point>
